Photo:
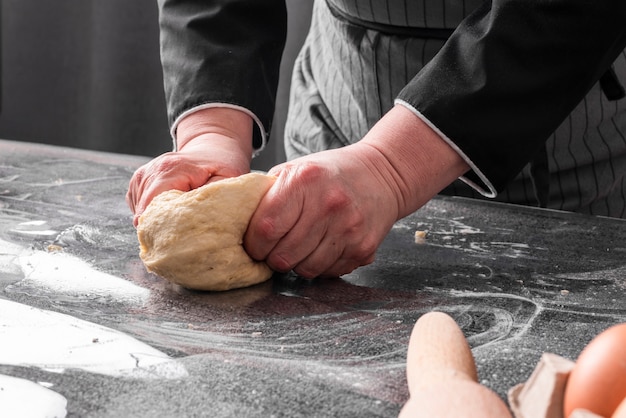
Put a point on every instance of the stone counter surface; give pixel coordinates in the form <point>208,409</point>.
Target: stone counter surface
<point>98,336</point>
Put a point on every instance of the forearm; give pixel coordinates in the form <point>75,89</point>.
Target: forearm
<point>217,127</point>
<point>415,161</point>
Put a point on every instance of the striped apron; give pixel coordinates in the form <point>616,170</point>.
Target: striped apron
<point>359,54</point>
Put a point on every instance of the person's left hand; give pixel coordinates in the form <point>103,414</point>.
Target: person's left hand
<point>326,214</point>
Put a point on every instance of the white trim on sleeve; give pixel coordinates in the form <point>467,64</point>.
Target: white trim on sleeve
<point>186,113</point>
<point>490,191</point>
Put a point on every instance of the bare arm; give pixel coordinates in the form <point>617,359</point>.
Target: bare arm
<point>417,162</point>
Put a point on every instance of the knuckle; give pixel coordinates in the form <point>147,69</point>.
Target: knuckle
<point>368,250</point>
<point>266,228</point>
<point>309,172</point>
<point>335,200</point>
<point>364,252</point>
<point>166,163</point>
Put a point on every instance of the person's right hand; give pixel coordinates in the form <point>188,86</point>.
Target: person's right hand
<point>213,144</point>
<point>328,212</point>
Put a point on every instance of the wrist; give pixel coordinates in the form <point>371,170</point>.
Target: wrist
<point>418,161</point>
<point>219,123</point>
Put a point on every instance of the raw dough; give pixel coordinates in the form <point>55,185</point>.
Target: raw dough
<point>194,238</point>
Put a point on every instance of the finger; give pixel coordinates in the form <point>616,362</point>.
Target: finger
<point>320,260</point>
<point>277,213</point>
<point>134,187</point>
<point>168,171</point>
<point>345,266</point>
<point>339,253</point>
<point>297,244</point>
<point>130,196</point>
<point>332,259</point>
<point>175,181</point>
<point>143,203</point>
<point>142,193</point>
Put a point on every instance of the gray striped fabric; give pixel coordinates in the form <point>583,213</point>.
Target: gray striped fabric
<point>346,77</point>
<point>586,159</point>
<point>434,14</point>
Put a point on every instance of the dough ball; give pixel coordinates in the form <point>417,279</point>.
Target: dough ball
<point>195,238</point>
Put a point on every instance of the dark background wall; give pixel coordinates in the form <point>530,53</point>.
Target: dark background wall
<point>86,74</point>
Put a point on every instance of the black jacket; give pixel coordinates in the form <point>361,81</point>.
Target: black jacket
<point>505,79</point>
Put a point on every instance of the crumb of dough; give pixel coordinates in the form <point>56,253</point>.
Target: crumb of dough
<point>195,238</point>
<point>420,237</point>
<point>53,248</point>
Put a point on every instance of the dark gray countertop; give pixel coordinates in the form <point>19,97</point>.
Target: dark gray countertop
<point>80,317</point>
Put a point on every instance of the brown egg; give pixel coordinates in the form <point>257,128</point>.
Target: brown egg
<point>598,381</point>
<point>620,412</point>
<point>441,374</point>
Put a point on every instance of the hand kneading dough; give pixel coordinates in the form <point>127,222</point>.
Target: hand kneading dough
<point>194,238</point>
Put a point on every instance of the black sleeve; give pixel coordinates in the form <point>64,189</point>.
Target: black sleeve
<point>225,51</point>
<point>512,72</point>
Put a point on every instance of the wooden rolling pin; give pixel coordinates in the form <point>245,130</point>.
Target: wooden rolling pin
<point>441,374</point>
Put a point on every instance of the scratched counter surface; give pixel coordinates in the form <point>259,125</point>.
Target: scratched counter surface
<point>86,331</point>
